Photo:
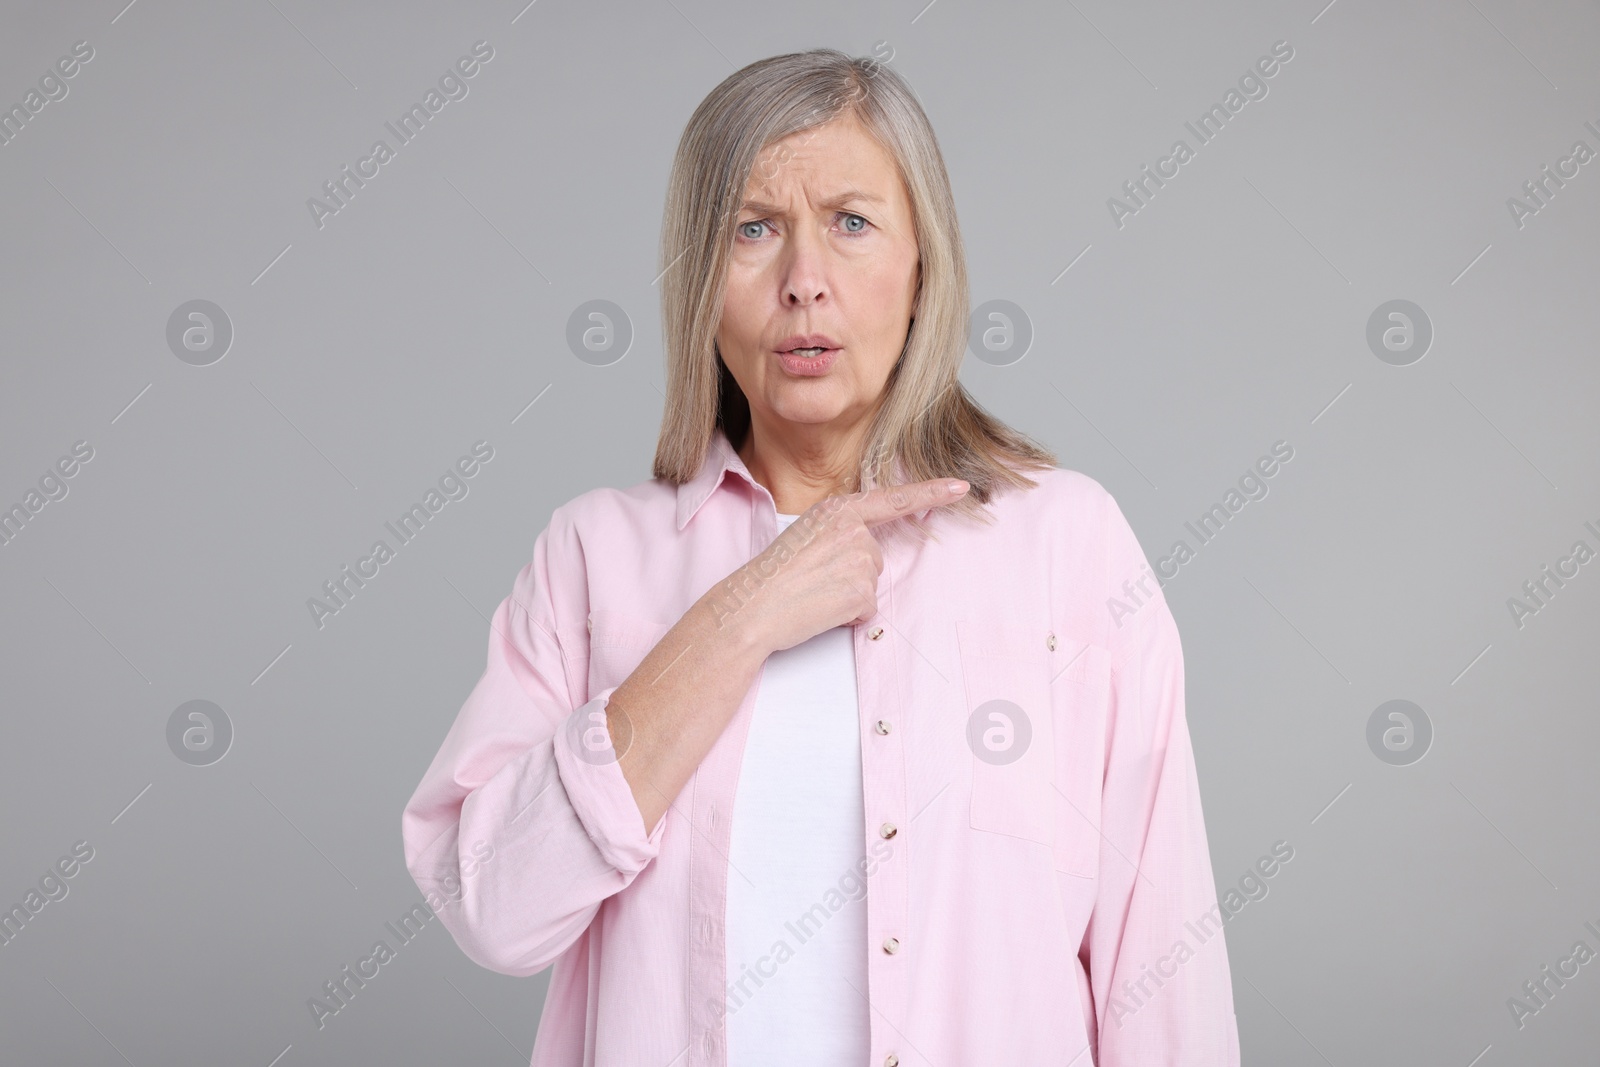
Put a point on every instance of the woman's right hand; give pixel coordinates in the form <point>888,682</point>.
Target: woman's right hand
<point>823,570</point>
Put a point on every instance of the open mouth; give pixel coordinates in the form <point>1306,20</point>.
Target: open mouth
<point>809,362</point>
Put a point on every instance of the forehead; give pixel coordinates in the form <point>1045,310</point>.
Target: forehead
<point>830,159</point>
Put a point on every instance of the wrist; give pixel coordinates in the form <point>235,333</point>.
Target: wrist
<point>728,614</point>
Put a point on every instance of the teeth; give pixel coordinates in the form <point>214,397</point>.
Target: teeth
<point>807,351</point>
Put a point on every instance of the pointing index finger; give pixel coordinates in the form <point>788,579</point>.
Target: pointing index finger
<point>889,502</point>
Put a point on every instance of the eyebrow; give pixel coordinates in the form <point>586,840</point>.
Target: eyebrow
<point>838,200</point>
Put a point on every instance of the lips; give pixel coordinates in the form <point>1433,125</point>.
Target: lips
<point>807,340</point>
<point>802,364</point>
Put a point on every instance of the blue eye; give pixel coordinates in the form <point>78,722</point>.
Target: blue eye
<point>744,228</point>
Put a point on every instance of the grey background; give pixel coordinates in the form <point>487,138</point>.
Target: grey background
<point>430,313</point>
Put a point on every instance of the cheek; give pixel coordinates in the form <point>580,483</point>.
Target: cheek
<point>738,310</point>
<point>892,277</point>
<point>885,298</point>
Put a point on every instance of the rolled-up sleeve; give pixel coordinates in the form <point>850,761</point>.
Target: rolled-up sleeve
<point>524,823</point>
<point>1154,947</point>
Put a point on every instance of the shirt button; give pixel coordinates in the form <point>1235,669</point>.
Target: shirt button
<point>882,727</point>
<point>888,829</point>
<point>590,624</point>
<point>891,1060</point>
<point>875,633</point>
<point>891,945</point>
<point>1050,642</point>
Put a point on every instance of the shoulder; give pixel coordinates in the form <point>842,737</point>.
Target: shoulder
<point>1061,495</point>
<point>598,528</point>
<point>612,517</point>
<point>610,502</point>
<point>1078,522</point>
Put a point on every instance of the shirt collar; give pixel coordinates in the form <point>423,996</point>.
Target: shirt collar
<point>720,460</point>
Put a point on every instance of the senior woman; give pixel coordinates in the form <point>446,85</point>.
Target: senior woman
<point>823,745</point>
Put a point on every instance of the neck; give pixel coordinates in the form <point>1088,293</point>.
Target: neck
<point>801,466</point>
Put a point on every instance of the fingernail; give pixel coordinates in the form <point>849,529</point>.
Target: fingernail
<point>957,485</point>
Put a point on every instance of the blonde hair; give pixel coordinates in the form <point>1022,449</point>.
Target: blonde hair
<point>928,425</point>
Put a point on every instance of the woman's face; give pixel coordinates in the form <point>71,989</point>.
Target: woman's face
<point>824,245</point>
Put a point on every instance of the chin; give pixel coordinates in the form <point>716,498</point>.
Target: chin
<point>807,413</point>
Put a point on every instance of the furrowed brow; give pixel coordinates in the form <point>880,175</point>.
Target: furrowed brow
<point>835,202</point>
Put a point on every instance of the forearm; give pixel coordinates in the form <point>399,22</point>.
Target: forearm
<point>668,713</point>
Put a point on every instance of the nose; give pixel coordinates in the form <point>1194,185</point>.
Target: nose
<point>805,271</point>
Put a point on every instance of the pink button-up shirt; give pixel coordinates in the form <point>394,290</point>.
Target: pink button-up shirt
<point>1033,854</point>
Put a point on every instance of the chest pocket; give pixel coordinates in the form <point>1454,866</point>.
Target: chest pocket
<point>1010,729</point>
<point>617,643</point>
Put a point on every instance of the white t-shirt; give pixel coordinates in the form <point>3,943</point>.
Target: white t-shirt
<point>797,841</point>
